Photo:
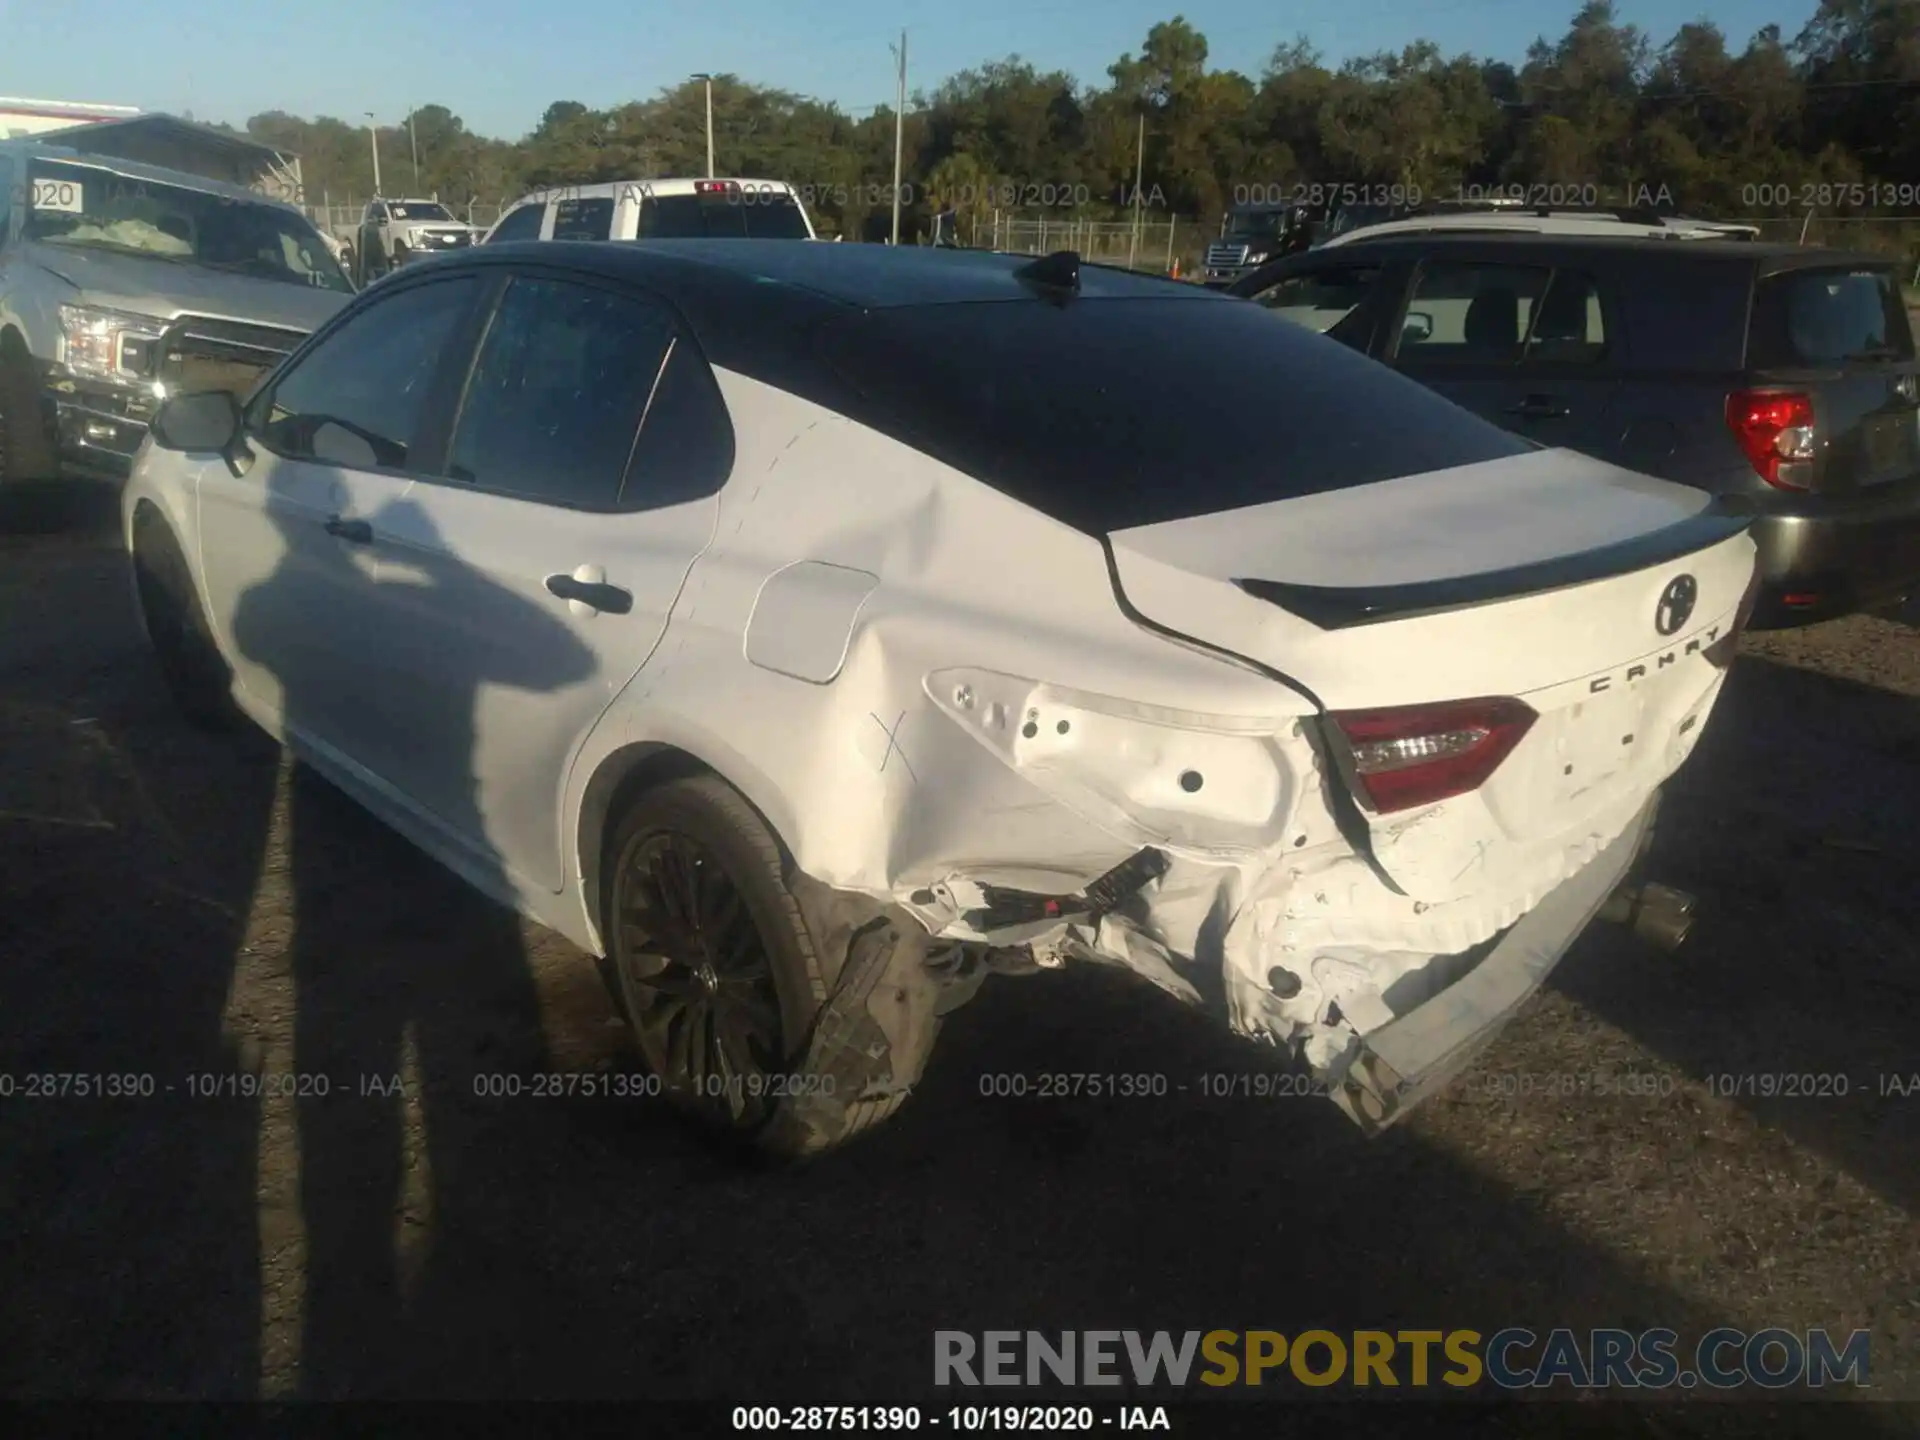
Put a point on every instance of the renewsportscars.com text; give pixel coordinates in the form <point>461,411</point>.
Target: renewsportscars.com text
<point>1510,1359</point>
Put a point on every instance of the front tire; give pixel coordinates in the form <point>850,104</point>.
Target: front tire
<point>30,498</point>
<point>196,675</point>
<point>712,963</point>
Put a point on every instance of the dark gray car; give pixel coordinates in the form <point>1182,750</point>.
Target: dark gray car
<point>1781,376</point>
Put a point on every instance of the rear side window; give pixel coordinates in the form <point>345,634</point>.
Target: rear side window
<point>557,392</point>
<point>1066,408</point>
<point>1826,317</point>
<point>521,224</point>
<point>583,219</point>
<point>1471,313</point>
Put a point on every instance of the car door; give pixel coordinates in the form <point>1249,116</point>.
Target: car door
<point>1522,344</point>
<point>1349,300</point>
<point>287,544</point>
<point>535,576</point>
<point>1570,367</point>
<point>1463,330</point>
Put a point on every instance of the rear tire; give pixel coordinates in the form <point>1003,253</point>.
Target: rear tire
<point>196,675</point>
<point>747,984</point>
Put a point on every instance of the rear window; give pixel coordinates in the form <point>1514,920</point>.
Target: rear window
<point>583,219</point>
<point>1106,414</point>
<point>1827,317</point>
<point>736,215</point>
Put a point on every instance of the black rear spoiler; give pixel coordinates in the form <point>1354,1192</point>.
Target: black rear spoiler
<point>1343,606</point>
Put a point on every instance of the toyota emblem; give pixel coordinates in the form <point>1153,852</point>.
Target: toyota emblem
<point>1676,604</point>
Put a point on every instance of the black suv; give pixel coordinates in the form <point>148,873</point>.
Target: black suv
<point>1780,377</point>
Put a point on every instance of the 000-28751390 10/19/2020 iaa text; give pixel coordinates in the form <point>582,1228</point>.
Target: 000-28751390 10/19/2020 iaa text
<point>959,1419</point>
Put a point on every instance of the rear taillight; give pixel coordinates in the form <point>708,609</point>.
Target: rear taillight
<point>1421,754</point>
<point>1776,430</point>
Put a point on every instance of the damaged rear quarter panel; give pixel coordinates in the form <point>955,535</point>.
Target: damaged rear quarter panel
<point>871,787</point>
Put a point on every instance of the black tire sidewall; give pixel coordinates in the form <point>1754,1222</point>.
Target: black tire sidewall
<point>25,455</point>
<point>708,811</point>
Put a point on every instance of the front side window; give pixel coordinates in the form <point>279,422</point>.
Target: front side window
<point>1470,312</point>
<point>1569,328</point>
<point>95,208</point>
<point>1322,300</point>
<point>357,399</point>
<point>557,392</point>
<point>521,224</point>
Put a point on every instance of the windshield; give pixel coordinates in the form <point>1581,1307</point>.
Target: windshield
<point>419,210</point>
<point>768,215</point>
<point>84,206</point>
<point>1257,224</point>
<point>1352,217</point>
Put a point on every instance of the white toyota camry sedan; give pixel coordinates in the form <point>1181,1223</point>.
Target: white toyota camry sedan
<point>809,631</point>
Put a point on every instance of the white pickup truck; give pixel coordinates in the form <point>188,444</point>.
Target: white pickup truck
<point>393,232</point>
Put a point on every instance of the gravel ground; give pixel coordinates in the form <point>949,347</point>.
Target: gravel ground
<point>173,906</point>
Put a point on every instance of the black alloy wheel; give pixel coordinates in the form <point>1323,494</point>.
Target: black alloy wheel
<point>697,981</point>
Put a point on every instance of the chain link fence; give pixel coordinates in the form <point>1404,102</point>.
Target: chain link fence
<point>1166,245</point>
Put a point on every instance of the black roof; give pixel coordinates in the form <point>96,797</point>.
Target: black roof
<point>1770,254</point>
<point>869,277</point>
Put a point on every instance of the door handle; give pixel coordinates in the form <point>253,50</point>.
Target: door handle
<point>354,532</point>
<point>1540,407</point>
<point>608,599</point>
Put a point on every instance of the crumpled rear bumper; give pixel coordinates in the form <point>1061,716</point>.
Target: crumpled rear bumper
<point>1414,1056</point>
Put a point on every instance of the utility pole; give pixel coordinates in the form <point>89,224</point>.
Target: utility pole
<point>414,145</point>
<point>709,83</point>
<point>373,134</point>
<point>899,133</point>
<point>1139,173</point>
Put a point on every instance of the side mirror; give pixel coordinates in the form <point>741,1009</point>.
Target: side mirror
<point>1419,326</point>
<point>208,421</point>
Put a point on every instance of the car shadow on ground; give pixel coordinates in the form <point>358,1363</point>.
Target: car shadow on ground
<point>553,1247</point>
<point>1797,994</point>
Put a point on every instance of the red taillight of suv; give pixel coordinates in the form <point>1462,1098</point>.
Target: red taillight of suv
<point>1776,430</point>
<point>1421,754</point>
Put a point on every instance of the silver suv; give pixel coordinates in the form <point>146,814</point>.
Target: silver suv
<point>121,283</point>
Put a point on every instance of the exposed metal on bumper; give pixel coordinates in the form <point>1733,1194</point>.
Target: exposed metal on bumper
<point>1411,1058</point>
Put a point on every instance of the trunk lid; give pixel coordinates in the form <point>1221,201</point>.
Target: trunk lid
<point>1840,335</point>
<point>1602,599</point>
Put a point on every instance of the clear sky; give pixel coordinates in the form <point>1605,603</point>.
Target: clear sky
<point>498,63</point>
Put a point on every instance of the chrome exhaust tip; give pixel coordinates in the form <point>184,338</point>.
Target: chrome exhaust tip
<point>1658,915</point>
